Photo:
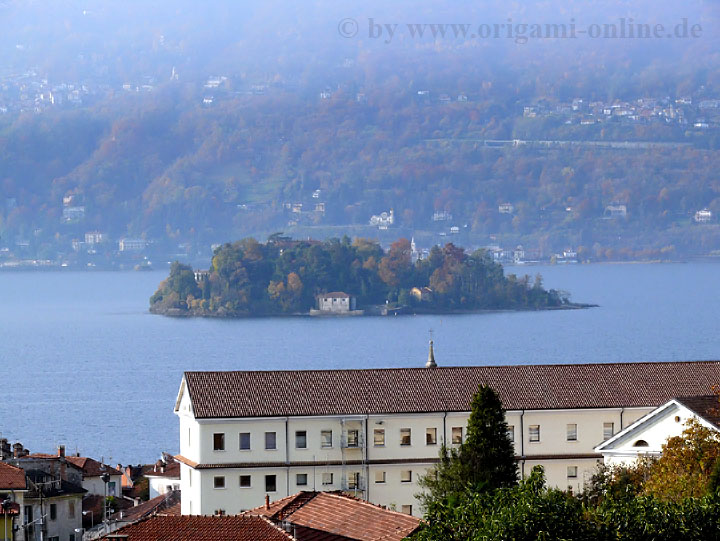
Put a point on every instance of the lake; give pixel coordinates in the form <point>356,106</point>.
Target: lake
<point>84,364</point>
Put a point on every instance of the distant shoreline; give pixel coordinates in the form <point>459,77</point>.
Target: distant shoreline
<point>180,313</point>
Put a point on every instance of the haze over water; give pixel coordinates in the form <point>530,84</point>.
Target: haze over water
<point>86,365</point>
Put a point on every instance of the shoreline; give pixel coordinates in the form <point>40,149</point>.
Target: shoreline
<point>181,314</point>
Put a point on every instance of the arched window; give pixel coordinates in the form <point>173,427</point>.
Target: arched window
<point>640,443</point>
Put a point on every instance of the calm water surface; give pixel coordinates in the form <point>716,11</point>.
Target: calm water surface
<point>84,364</point>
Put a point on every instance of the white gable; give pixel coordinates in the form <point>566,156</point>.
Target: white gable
<point>183,404</point>
<point>646,436</point>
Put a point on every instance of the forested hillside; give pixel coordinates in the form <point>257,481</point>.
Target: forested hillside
<point>236,147</point>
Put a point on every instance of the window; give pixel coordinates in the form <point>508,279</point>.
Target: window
<point>640,443</point>
<point>270,440</point>
<point>71,509</point>
<point>219,441</point>
<point>379,437</point>
<point>572,472</point>
<point>407,509</point>
<point>354,480</point>
<point>54,538</point>
<point>219,481</point>
<point>457,435</point>
<point>608,430</point>
<point>571,432</point>
<point>244,441</point>
<point>301,439</point>
<point>353,438</point>
<point>405,436</point>
<point>511,433</point>
<point>245,481</point>
<point>406,476</point>
<point>379,476</point>
<point>270,483</point>
<point>327,478</point>
<point>72,537</point>
<point>189,476</point>
<point>53,511</point>
<point>111,488</point>
<point>301,479</point>
<point>189,437</point>
<point>430,436</point>
<point>534,432</point>
<point>326,438</point>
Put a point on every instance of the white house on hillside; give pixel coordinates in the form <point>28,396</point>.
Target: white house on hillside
<point>374,432</point>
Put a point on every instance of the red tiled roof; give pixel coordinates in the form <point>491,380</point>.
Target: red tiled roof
<point>409,390</point>
<point>158,505</point>
<point>91,467</point>
<point>12,478</point>
<point>340,515</point>
<point>198,528</point>
<point>172,470</point>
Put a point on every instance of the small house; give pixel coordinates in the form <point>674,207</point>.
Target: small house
<point>336,301</point>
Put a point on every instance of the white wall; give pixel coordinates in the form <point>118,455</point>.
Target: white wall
<point>553,450</point>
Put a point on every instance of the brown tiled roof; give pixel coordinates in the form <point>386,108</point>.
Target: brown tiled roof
<point>198,528</point>
<point>707,407</point>
<point>409,390</point>
<point>91,467</point>
<point>12,478</point>
<point>157,505</point>
<point>172,470</point>
<point>341,515</point>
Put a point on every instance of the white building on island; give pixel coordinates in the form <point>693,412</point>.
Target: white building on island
<point>374,432</point>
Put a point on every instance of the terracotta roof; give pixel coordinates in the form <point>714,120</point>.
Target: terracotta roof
<point>707,407</point>
<point>199,528</point>
<point>91,467</point>
<point>157,505</point>
<point>409,390</point>
<point>12,478</point>
<point>172,470</point>
<point>341,515</point>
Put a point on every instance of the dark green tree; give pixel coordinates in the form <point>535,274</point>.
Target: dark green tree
<point>485,461</point>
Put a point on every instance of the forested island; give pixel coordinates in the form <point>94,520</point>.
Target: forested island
<point>284,276</point>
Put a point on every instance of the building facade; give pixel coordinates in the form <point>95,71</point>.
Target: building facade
<point>373,433</point>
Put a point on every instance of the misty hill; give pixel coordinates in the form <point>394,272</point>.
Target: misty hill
<point>180,123</point>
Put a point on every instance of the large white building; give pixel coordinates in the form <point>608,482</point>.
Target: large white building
<point>375,432</point>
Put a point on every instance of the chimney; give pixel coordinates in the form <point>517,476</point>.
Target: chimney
<point>267,502</point>
<point>17,450</point>
<point>61,451</point>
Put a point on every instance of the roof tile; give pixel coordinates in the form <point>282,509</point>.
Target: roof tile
<point>410,390</point>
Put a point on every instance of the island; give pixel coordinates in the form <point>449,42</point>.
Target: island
<point>343,277</point>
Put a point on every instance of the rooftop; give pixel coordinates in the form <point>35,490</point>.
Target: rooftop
<point>163,504</point>
<point>12,478</point>
<point>335,516</point>
<point>376,391</point>
<point>91,467</point>
<point>201,528</point>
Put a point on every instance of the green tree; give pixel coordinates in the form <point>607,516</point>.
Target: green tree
<point>485,461</point>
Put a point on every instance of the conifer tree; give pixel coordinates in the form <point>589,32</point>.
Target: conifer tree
<point>485,461</point>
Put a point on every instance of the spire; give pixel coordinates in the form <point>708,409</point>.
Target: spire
<point>431,358</point>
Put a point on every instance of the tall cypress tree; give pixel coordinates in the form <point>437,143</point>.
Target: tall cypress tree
<point>485,461</point>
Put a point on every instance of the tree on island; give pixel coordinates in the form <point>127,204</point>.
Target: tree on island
<point>484,462</point>
<point>284,276</point>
